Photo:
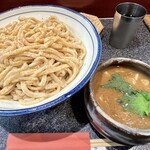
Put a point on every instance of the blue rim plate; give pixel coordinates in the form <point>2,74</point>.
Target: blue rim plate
<point>82,82</point>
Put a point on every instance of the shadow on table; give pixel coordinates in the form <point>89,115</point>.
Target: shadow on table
<point>68,116</point>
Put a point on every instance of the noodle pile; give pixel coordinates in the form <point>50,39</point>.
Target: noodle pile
<point>37,59</point>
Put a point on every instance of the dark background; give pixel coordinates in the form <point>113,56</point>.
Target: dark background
<point>100,8</point>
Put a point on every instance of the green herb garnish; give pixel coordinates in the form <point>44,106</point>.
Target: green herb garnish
<point>133,100</point>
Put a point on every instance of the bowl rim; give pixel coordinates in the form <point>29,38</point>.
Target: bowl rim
<point>135,131</point>
<point>75,89</point>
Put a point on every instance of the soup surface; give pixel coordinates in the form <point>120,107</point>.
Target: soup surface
<point>107,98</point>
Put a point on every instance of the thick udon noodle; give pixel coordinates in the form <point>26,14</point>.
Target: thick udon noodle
<point>37,59</point>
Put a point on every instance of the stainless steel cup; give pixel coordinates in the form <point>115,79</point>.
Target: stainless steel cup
<point>127,18</point>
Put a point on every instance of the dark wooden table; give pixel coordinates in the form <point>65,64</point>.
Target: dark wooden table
<point>100,8</point>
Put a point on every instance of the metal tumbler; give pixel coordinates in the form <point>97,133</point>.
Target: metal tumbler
<point>127,18</point>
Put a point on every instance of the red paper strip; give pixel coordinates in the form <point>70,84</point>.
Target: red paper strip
<point>48,141</point>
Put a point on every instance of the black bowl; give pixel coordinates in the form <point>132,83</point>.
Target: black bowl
<point>103,123</point>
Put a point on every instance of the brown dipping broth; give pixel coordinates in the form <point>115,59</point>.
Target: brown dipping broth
<point>107,98</point>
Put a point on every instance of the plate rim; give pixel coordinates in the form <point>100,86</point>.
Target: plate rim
<point>67,95</point>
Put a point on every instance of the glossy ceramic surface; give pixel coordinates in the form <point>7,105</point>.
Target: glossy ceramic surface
<point>103,123</point>
<point>82,27</point>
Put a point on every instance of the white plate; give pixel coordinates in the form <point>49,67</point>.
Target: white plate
<point>82,27</point>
